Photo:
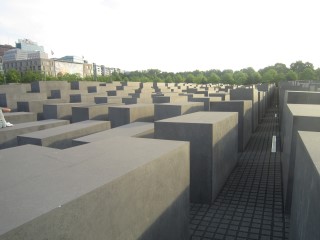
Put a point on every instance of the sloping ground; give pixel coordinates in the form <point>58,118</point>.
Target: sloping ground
<point>250,206</point>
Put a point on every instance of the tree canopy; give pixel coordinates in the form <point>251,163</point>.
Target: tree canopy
<point>270,74</point>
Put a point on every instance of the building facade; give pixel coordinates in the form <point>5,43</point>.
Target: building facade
<point>28,45</point>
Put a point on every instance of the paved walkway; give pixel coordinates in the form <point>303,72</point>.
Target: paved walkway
<point>250,204</point>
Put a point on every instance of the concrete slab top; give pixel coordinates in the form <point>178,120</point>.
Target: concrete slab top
<point>127,130</point>
<point>31,124</point>
<point>200,117</point>
<point>98,164</point>
<point>63,129</point>
<point>310,110</point>
<point>181,104</point>
<point>311,141</point>
<point>140,105</point>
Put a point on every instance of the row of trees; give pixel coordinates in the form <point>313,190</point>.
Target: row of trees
<point>271,74</point>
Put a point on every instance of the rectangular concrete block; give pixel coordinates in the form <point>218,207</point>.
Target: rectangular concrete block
<point>8,135</point>
<point>59,110</point>
<point>248,94</point>
<point>305,211</point>
<point>125,114</point>
<point>213,138</point>
<point>244,110</point>
<point>168,110</point>
<point>20,117</point>
<point>61,137</point>
<point>297,117</point>
<point>98,191</point>
<point>91,112</point>
<point>136,129</point>
<point>99,100</point>
<point>36,106</point>
<point>205,100</point>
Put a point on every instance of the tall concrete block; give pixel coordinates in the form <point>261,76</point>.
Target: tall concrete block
<point>213,138</point>
<point>305,211</point>
<point>244,110</point>
<point>124,114</point>
<point>298,117</point>
<point>248,94</point>
<point>262,100</point>
<point>297,97</point>
<point>98,191</point>
<point>168,110</point>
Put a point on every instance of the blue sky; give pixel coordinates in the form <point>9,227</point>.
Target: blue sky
<point>170,35</point>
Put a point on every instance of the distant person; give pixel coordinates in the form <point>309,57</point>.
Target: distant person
<point>3,122</point>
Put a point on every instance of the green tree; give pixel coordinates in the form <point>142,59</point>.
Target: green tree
<point>1,78</point>
<point>227,77</point>
<point>317,72</point>
<point>308,74</point>
<point>213,78</point>
<point>291,75</point>
<point>13,76</point>
<point>240,78</point>
<point>190,78</point>
<point>269,76</point>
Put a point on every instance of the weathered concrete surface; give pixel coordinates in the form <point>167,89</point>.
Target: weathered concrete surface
<point>167,110</point>
<point>125,114</point>
<point>59,110</point>
<point>61,137</point>
<point>20,117</point>
<point>297,97</point>
<point>36,106</point>
<point>136,129</point>
<point>99,100</point>
<point>305,211</point>
<point>213,138</point>
<point>8,135</point>
<point>244,110</point>
<point>205,100</point>
<point>91,112</point>
<point>297,117</point>
<point>98,191</point>
<point>248,94</point>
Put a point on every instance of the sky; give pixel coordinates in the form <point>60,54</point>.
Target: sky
<point>170,35</point>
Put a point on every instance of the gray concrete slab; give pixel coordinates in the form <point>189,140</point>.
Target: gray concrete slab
<point>169,99</point>
<point>36,106</point>
<point>136,129</point>
<point>59,110</point>
<point>20,117</point>
<point>103,187</point>
<point>121,115</point>
<point>205,100</point>
<point>109,99</point>
<point>61,137</point>
<point>10,99</point>
<point>168,110</point>
<point>244,110</point>
<point>91,112</point>
<point>297,117</point>
<point>248,94</point>
<point>213,138</point>
<point>305,211</point>
<point>8,135</point>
